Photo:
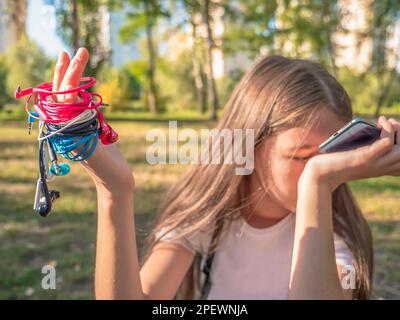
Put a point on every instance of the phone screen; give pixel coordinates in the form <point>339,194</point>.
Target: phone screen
<point>358,135</point>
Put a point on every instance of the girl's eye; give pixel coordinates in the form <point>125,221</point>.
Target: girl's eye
<point>301,158</point>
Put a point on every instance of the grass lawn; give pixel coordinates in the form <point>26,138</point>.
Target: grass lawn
<point>66,238</point>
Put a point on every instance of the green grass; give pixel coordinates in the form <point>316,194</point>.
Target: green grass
<point>15,112</point>
<point>66,238</point>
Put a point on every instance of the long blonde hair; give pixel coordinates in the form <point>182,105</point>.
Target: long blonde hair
<point>274,94</point>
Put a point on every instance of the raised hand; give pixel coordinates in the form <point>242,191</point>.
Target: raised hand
<point>378,159</point>
<point>106,165</point>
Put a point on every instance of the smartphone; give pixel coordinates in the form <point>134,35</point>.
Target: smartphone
<point>355,134</point>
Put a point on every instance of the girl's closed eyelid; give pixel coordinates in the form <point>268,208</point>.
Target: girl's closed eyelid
<point>300,158</point>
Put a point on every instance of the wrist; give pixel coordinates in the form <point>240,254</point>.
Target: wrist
<point>314,173</point>
<point>115,207</point>
<point>118,191</point>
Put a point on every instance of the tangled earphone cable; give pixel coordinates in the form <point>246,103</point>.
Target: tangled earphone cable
<point>69,129</point>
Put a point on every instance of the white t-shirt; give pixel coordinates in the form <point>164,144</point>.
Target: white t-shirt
<point>252,263</point>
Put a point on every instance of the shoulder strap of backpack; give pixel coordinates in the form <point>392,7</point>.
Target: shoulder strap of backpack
<point>208,263</point>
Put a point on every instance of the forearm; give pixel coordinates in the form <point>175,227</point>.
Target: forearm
<point>117,267</point>
<point>314,272</point>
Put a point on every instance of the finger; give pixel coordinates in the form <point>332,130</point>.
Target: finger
<point>74,74</point>
<point>83,56</point>
<point>72,80</point>
<point>377,149</point>
<point>59,71</point>
<point>392,158</point>
<point>387,129</point>
<point>396,126</point>
<point>394,169</point>
<point>382,145</point>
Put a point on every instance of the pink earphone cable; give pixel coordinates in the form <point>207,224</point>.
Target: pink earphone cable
<point>60,112</point>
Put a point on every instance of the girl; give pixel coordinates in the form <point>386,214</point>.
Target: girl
<point>291,229</point>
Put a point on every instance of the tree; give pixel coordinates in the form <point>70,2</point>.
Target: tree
<point>193,9</point>
<point>306,26</point>
<point>74,25</point>
<point>309,26</point>
<point>208,7</point>
<point>79,25</point>
<point>16,12</point>
<point>143,19</point>
<point>250,26</point>
<point>385,14</point>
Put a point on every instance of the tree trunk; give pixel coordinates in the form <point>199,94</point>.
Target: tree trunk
<point>21,19</point>
<point>74,25</point>
<point>212,90</point>
<point>331,45</point>
<point>16,11</point>
<point>152,91</point>
<point>198,79</point>
<point>385,89</point>
<point>332,53</point>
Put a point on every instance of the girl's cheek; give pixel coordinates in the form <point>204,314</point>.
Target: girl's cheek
<point>295,167</point>
<point>292,176</point>
<point>288,174</point>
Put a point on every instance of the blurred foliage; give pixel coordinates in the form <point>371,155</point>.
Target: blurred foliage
<point>364,90</point>
<point>26,64</point>
<point>142,20</point>
<point>114,87</point>
<point>177,89</point>
<point>170,60</point>
<point>82,27</point>
<point>4,97</point>
<point>250,26</point>
<point>138,69</point>
<point>385,13</point>
<point>142,14</point>
<point>227,83</point>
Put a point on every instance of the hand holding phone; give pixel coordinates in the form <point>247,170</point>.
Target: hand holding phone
<point>380,158</point>
<point>355,134</point>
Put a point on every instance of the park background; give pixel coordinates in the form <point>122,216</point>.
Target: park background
<point>161,60</point>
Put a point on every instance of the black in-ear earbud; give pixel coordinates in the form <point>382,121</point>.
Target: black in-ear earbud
<point>44,209</point>
<point>46,201</point>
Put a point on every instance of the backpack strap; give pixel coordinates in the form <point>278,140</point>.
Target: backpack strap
<point>210,257</point>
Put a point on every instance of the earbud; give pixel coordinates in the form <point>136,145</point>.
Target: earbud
<point>57,169</point>
<point>60,169</point>
<point>20,93</point>
<point>107,135</point>
<point>44,199</point>
<point>44,208</point>
<point>46,202</point>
